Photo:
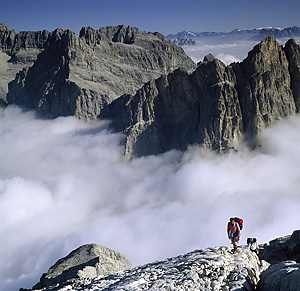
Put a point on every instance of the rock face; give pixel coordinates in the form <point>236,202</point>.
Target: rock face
<point>284,276</point>
<point>18,50</point>
<point>207,269</point>
<point>284,256</point>
<point>79,75</point>
<point>214,105</point>
<point>292,51</point>
<point>282,249</point>
<point>214,268</point>
<point>86,262</point>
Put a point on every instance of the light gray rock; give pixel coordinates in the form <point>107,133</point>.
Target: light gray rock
<point>284,276</point>
<point>208,269</point>
<point>85,263</point>
<point>214,268</point>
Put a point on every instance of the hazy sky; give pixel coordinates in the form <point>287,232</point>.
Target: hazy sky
<point>156,15</point>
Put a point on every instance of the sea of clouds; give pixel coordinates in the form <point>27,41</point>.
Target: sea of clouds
<point>64,183</point>
<point>227,48</point>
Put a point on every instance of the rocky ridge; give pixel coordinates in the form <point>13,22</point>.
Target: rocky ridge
<point>84,263</point>
<point>214,268</point>
<point>278,32</point>
<point>255,34</point>
<point>80,74</point>
<point>18,50</point>
<point>182,41</point>
<point>213,106</point>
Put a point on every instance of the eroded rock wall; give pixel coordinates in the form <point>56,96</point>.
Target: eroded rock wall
<point>79,75</point>
<point>214,106</point>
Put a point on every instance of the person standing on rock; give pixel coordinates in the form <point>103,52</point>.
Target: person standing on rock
<point>234,233</point>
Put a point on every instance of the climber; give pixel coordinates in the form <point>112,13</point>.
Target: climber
<point>253,246</point>
<point>234,233</point>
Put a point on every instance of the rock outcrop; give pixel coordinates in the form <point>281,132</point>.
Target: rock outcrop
<point>284,256</point>
<point>282,249</point>
<point>208,269</point>
<point>79,75</point>
<point>284,276</point>
<point>85,263</point>
<point>18,50</point>
<point>214,105</point>
<point>12,42</point>
<point>214,268</point>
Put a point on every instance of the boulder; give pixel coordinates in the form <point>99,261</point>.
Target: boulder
<point>282,249</point>
<point>284,276</point>
<point>84,263</point>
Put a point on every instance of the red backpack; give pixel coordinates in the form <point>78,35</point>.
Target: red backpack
<point>239,221</point>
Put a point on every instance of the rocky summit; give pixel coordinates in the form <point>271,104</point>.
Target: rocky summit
<point>215,268</point>
<point>80,74</point>
<point>84,263</point>
<point>213,106</point>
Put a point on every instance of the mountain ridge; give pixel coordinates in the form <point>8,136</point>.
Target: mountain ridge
<point>213,106</point>
<point>214,268</point>
<point>154,93</point>
<point>79,74</point>
<point>260,32</point>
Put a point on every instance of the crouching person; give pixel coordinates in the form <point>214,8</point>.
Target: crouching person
<point>253,246</point>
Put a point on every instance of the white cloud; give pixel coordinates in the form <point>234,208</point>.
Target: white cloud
<point>64,182</point>
<point>231,48</point>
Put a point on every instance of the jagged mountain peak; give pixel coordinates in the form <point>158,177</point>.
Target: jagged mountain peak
<point>92,69</point>
<point>213,106</point>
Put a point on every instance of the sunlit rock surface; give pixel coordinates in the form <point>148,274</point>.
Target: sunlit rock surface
<point>86,262</point>
<point>215,268</point>
<point>207,269</point>
<point>214,106</point>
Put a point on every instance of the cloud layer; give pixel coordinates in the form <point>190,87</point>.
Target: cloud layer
<point>227,48</point>
<point>64,183</point>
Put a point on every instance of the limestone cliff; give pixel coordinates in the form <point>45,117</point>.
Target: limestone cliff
<point>18,50</point>
<point>79,75</point>
<point>214,105</point>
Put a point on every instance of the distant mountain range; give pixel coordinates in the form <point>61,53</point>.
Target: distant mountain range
<point>149,88</point>
<point>255,34</point>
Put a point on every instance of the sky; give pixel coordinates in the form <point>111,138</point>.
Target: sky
<point>164,16</point>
